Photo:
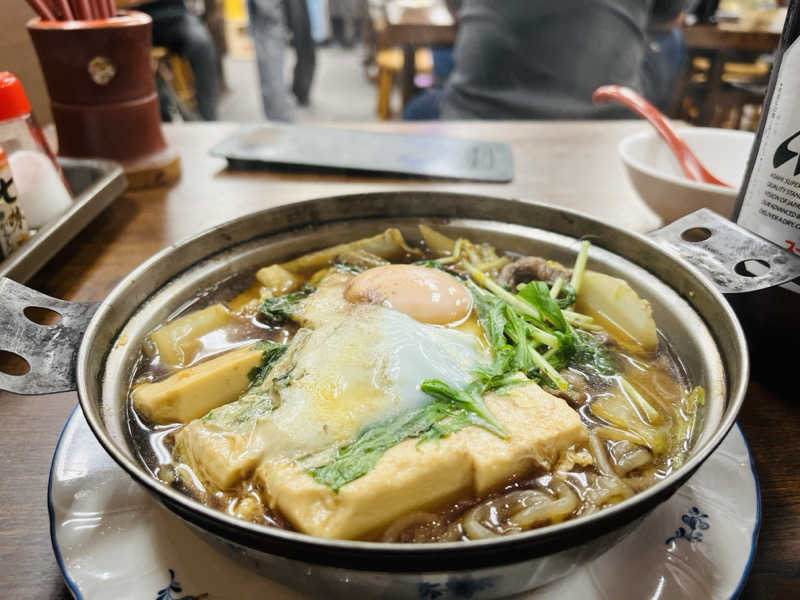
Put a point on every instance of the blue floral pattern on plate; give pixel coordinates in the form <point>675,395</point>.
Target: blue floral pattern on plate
<point>696,521</point>
<point>175,586</point>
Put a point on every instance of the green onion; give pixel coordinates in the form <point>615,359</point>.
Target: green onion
<point>580,266</point>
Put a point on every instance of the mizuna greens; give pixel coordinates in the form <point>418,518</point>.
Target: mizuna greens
<point>280,308</point>
<point>450,410</point>
<point>533,333</point>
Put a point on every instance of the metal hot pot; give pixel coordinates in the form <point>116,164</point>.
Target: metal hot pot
<point>94,347</point>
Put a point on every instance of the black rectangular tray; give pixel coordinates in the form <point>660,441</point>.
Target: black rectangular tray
<point>329,149</point>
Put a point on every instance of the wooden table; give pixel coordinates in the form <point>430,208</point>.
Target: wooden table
<point>720,44</point>
<point>573,165</point>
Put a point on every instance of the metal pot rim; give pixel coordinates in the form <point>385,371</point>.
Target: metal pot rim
<point>394,556</point>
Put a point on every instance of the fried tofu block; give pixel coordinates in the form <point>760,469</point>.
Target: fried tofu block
<point>412,476</point>
<point>407,478</point>
<point>194,391</point>
<point>540,425</point>
<point>215,455</point>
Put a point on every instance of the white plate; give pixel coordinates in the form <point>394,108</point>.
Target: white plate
<point>112,540</point>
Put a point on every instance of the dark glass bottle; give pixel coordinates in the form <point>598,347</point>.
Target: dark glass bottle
<point>769,199</point>
<point>769,205</point>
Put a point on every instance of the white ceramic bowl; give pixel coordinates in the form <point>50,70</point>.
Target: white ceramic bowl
<point>656,176</point>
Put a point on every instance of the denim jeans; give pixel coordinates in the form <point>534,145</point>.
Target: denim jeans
<point>267,26</point>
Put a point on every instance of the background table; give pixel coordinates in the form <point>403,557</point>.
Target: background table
<point>412,28</point>
<point>720,43</point>
<point>569,164</point>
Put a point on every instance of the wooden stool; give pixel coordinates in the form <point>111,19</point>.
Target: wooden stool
<point>390,62</point>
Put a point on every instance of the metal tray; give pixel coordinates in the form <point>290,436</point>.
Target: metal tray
<point>94,184</point>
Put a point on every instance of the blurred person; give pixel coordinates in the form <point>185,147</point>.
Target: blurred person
<point>666,51</point>
<point>269,20</point>
<point>320,20</point>
<point>182,32</point>
<point>298,19</point>
<point>537,59</point>
<point>347,19</point>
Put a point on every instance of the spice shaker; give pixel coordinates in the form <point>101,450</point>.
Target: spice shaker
<point>13,226</point>
<point>43,193</point>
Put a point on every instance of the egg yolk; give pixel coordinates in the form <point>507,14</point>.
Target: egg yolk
<point>427,295</point>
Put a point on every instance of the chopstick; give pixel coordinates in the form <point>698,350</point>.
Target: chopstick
<point>42,9</point>
<point>65,10</point>
<point>70,10</point>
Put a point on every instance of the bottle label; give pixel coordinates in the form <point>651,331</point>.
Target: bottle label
<point>771,206</point>
<point>13,226</point>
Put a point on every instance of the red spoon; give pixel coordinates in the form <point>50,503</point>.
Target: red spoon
<point>690,164</point>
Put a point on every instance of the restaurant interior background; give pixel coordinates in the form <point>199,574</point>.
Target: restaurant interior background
<point>372,59</point>
<point>361,74</point>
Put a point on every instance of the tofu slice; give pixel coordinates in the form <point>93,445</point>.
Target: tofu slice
<point>541,427</point>
<point>412,476</point>
<point>216,455</point>
<point>192,392</point>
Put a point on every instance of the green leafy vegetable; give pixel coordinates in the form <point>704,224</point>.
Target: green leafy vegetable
<point>589,352</point>
<point>349,268</point>
<point>498,375</point>
<point>431,264</point>
<point>449,411</point>
<point>568,292</point>
<point>280,308</point>
<point>538,295</point>
<point>491,316</point>
<point>518,326</point>
<point>468,399</point>
<point>271,352</point>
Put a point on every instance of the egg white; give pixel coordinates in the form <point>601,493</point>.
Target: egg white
<point>358,370</point>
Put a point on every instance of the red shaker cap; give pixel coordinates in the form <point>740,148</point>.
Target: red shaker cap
<point>13,101</point>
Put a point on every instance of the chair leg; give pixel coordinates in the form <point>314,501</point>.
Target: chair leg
<point>385,80</point>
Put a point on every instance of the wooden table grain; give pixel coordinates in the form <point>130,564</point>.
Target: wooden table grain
<point>569,164</point>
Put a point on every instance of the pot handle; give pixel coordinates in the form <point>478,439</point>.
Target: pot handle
<point>735,259</point>
<point>49,350</point>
